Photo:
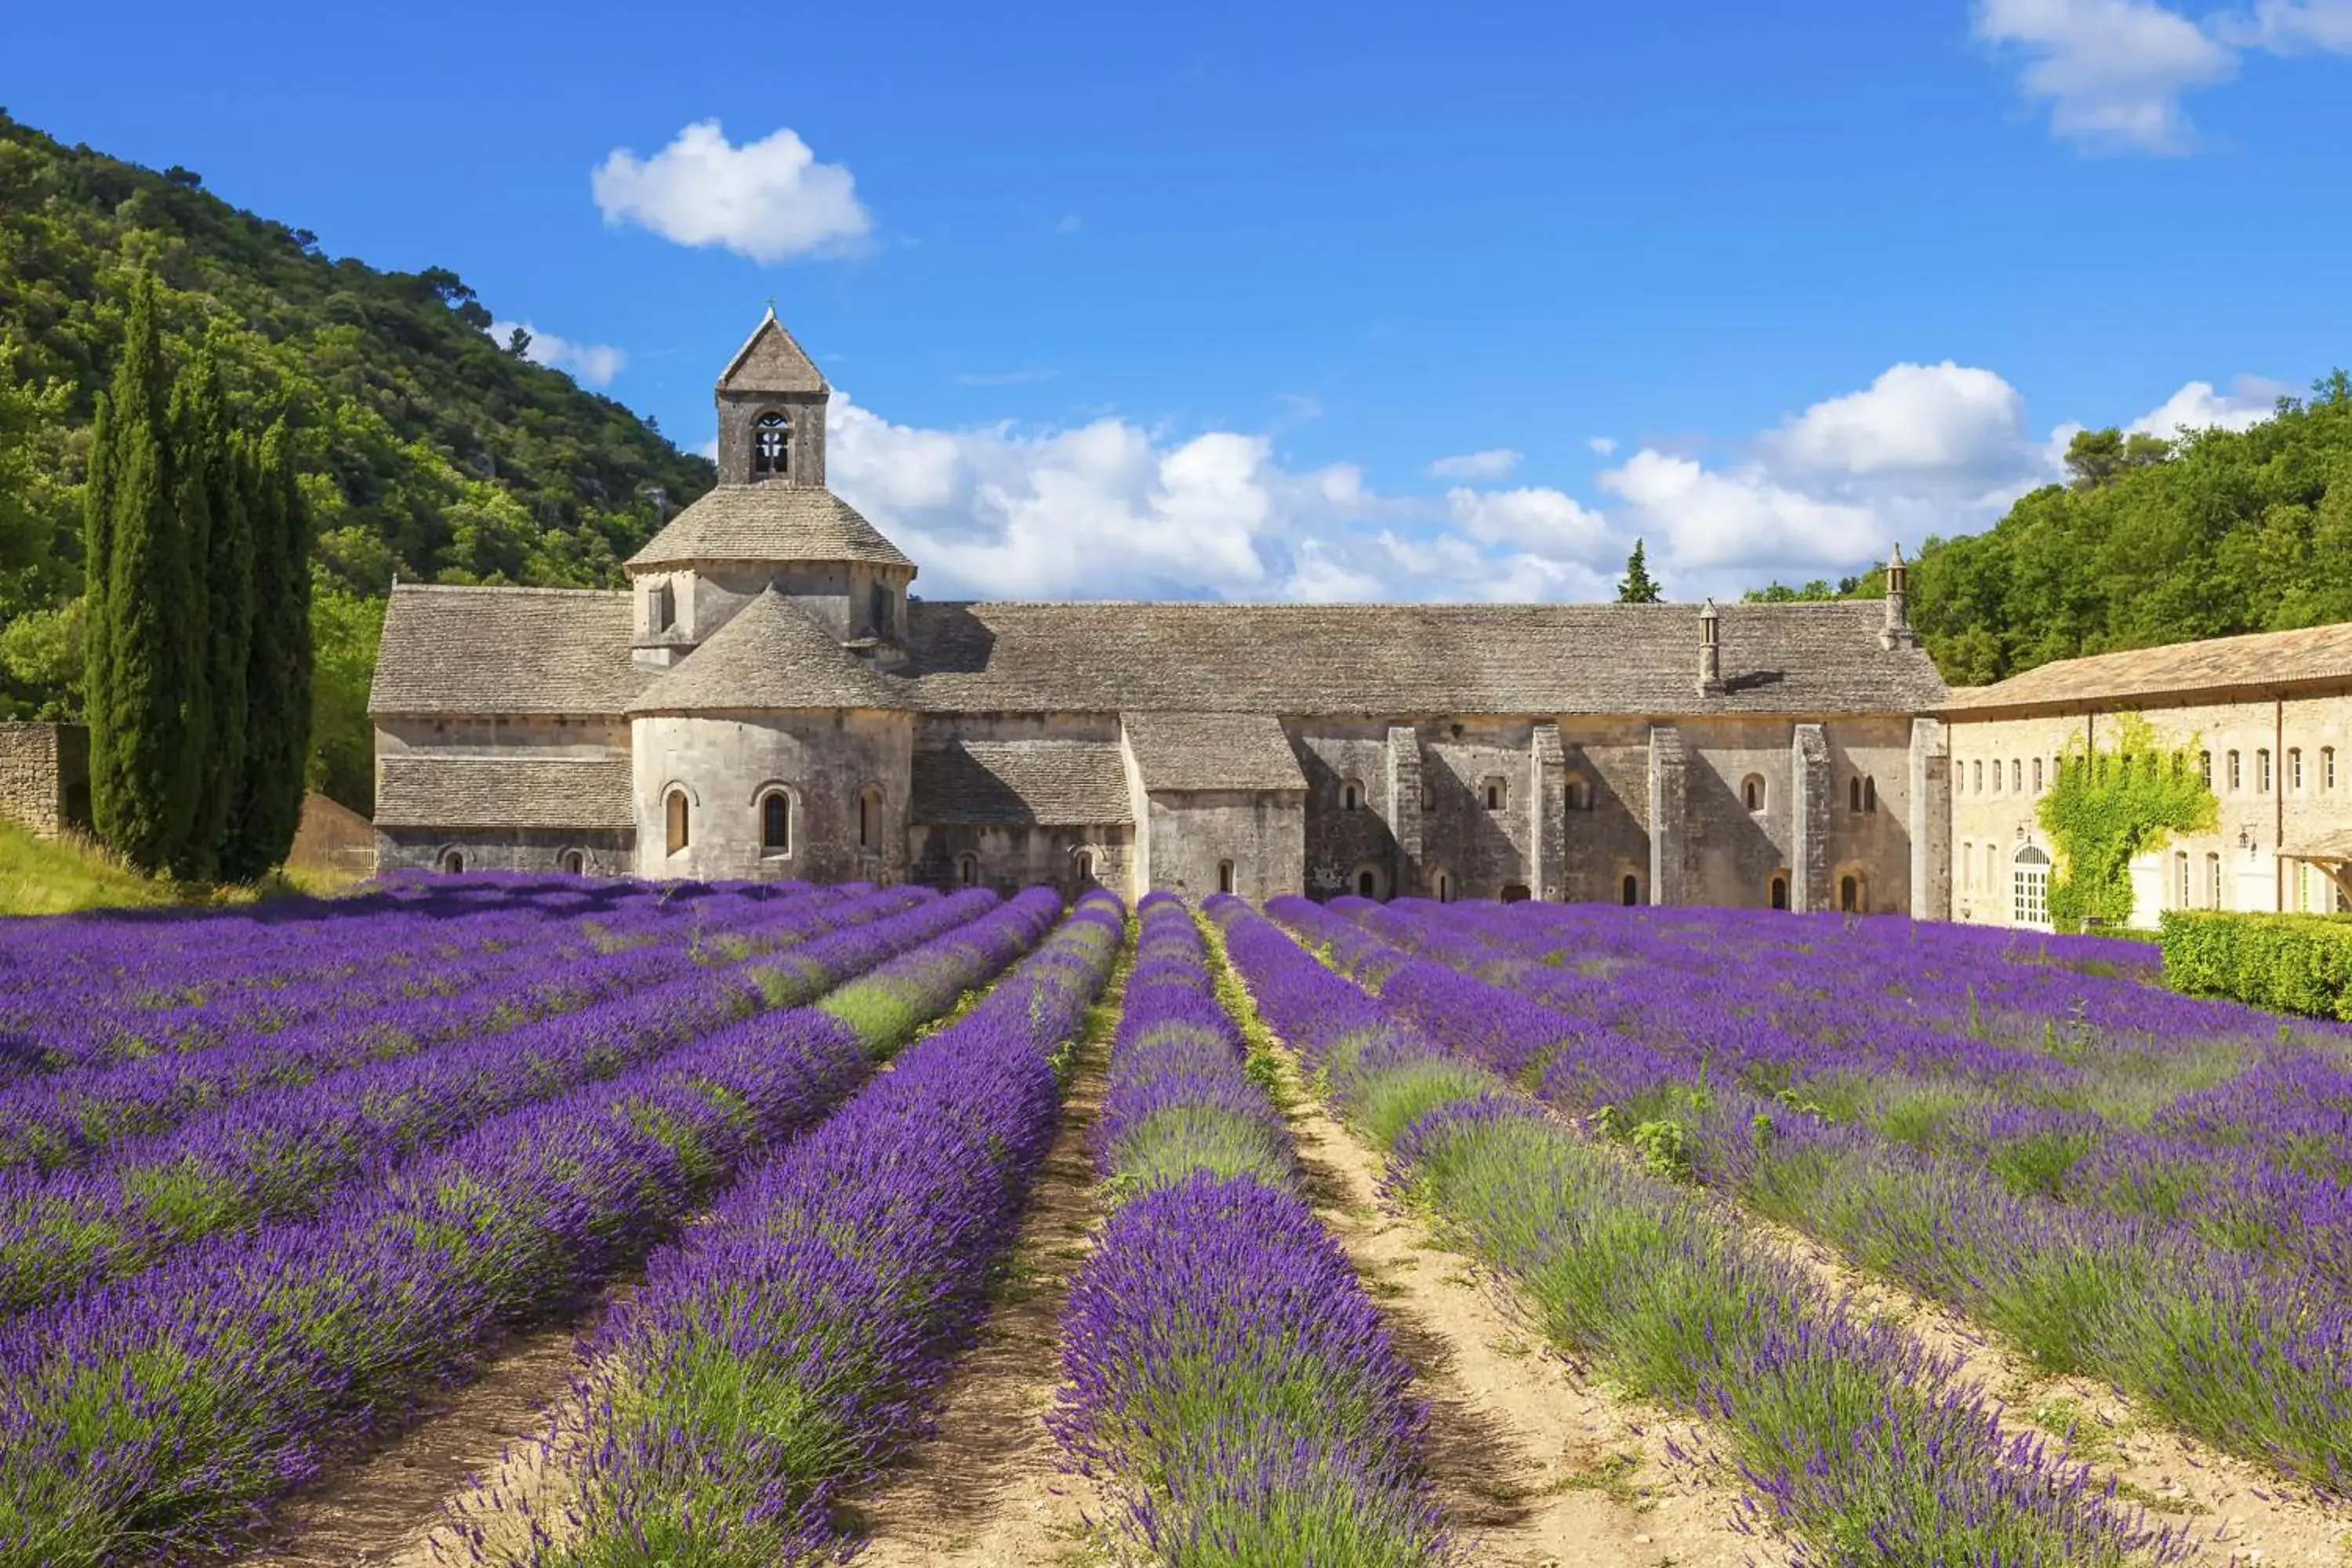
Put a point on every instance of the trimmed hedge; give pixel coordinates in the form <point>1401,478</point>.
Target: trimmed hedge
<point>2289,964</point>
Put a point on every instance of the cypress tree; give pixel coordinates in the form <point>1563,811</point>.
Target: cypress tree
<point>97,533</point>
<point>145,764</point>
<point>195,426</point>
<point>278,667</point>
<point>227,569</point>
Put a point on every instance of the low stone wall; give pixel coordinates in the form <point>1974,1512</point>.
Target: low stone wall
<point>44,776</point>
<point>601,854</point>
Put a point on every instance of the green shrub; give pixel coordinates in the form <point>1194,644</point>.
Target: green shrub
<point>2289,964</point>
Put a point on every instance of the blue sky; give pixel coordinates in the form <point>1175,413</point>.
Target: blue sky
<point>1327,301</point>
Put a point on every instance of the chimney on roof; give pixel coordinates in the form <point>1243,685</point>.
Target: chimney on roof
<point>1897,632</point>
<point>1710,650</point>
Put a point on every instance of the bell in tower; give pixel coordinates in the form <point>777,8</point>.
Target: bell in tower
<point>771,401</point>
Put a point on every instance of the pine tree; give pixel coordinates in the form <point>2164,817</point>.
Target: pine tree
<point>145,757</point>
<point>278,667</point>
<point>1637,586</point>
<point>227,568</point>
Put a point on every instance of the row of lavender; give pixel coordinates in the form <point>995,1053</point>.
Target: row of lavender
<point>1227,1376</point>
<point>2189,1261</point>
<point>788,1349</point>
<point>66,1115</point>
<point>1847,1437</point>
<point>153,1417</point>
<point>287,1150</point>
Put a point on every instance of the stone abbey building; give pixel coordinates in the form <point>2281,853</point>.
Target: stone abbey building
<point>767,699</point>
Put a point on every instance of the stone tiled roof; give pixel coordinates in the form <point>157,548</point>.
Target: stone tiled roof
<point>1212,751</point>
<point>772,520</point>
<point>2314,656</point>
<point>422,790</point>
<point>1053,784</point>
<point>504,651</point>
<point>769,655</point>
<point>1407,658</point>
<point>771,361</point>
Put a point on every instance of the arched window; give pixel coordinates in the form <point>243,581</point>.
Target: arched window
<point>2032,905</point>
<point>453,861</point>
<point>2212,881</point>
<point>574,863</point>
<point>1780,892</point>
<point>1429,797</point>
<point>1516,893</point>
<point>869,817</point>
<point>771,443</point>
<point>1082,866</point>
<point>877,610</point>
<point>1368,885</point>
<point>775,823</point>
<point>1443,886</point>
<point>1751,792</point>
<point>1225,876</point>
<point>2037,775</point>
<point>2327,767</point>
<point>1991,868</point>
<point>1968,866</point>
<point>2205,768</point>
<point>1854,790</point>
<point>1854,893</point>
<point>1870,794</point>
<point>661,607</point>
<point>1996,776</point>
<point>1976,774</point>
<point>2237,776</point>
<point>2263,771</point>
<point>1579,795</point>
<point>1629,891</point>
<point>1351,796</point>
<point>2017,775</point>
<point>2294,769</point>
<point>2180,880</point>
<point>674,819</point>
<point>1498,791</point>
<point>967,870</point>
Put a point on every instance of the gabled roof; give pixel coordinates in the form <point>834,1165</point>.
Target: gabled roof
<point>1211,751</point>
<point>1404,659</point>
<point>517,652</point>
<point>769,656</point>
<point>1052,783</point>
<point>767,522</point>
<point>771,361</point>
<point>2314,656</point>
<point>428,789</point>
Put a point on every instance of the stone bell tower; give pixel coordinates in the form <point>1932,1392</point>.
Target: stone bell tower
<point>771,401</point>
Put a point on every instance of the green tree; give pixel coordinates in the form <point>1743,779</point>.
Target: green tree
<point>2097,458</point>
<point>1637,586</point>
<point>2107,807</point>
<point>146,742</point>
<point>279,668</point>
<point>346,630</point>
<point>222,463</point>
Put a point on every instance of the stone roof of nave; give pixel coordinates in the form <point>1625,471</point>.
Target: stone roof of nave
<point>1211,751</point>
<point>1375,660</point>
<point>1050,782</point>
<point>771,360</point>
<point>771,521</point>
<point>543,651</point>
<point>769,655</point>
<point>2314,657</point>
<point>432,789</point>
<point>519,651</point>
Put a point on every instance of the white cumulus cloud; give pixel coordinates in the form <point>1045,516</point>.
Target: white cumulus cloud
<point>1491,464</point>
<point>1915,419</point>
<point>768,199</point>
<point>593,365</point>
<point>1604,444</point>
<point>2112,71</point>
<point>1744,518</point>
<point>2197,406</point>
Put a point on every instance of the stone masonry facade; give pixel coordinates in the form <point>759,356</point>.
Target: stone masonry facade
<point>45,778</point>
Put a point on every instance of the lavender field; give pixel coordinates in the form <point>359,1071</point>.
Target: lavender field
<point>1395,1234</point>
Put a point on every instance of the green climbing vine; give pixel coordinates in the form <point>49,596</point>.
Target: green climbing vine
<point>2111,804</point>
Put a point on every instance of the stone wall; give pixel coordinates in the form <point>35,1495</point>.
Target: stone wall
<point>1345,844</point>
<point>1262,833</point>
<point>1483,844</point>
<point>601,854</point>
<point>1605,833</point>
<point>1011,857</point>
<point>822,761</point>
<point>44,776</point>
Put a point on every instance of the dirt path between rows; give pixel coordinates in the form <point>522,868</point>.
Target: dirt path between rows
<point>383,1509</point>
<point>1534,1466</point>
<point>2244,1512</point>
<point>987,1489</point>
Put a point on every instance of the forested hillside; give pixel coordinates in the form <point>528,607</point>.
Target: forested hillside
<point>2150,541</point>
<point>2153,542</point>
<point>426,448</point>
